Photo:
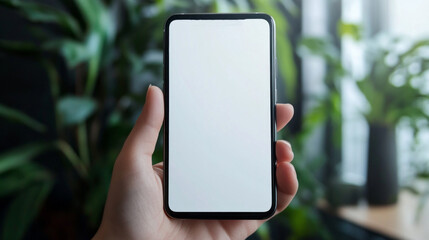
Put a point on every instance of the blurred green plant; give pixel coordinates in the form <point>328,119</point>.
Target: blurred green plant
<point>395,84</point>
<point>326,110</point>
<point>112,51</point>
<point>328,106</point>
<point>395,87</point>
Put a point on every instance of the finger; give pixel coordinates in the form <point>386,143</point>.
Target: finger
<point>287,185</point>
<point>142,139</point>
<point>159,170</point>
<point>284,151</point>
<point>284,113</point>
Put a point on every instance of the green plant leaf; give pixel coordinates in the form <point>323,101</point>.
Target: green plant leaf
<point>72,157</point>
<point>416,46</point>
<point>18,156</point>
<point>73,110</point>
<point>374,98</point>
<point>23,209</point>
<point>316,116</point>
<point>93,69</point>
<point>36,12</point>
<point>20,117</point>
<point>321,47</point>
<point>349,29</point>
<point>75,52</point>
<point>102,28</point>
<point>91,11</point>
<point>21,177</point>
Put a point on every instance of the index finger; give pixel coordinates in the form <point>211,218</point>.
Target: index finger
<point>284,113</point>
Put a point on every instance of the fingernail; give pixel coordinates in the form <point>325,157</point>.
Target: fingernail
<point>147,92</point>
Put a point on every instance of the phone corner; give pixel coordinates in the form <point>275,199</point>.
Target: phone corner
<point>169,211</point>
<point>270,211</point>
<point>267,18</point>
<point>170,19</point>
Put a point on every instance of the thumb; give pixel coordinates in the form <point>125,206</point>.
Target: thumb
<point>141,142</point>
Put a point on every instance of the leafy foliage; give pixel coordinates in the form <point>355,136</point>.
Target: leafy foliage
<point>329,105</point>
<point>24,209</point>
<point>19,156</point>
<point>74,110</point>
<point>29,181</point>
<point>40,13</point>
<point>394,84</point>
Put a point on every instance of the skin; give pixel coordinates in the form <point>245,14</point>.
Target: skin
<point>134,206</point>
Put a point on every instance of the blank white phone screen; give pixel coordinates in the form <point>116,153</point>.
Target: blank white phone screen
<point>219,116</point>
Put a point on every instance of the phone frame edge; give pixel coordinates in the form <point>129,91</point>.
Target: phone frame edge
<point>221,215</point>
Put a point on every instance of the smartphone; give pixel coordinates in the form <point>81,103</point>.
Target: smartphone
<point>219,129</point>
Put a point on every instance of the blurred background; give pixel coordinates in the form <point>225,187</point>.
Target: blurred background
<point>74,75</point>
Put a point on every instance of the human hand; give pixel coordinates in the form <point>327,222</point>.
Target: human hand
<point>134,206</point>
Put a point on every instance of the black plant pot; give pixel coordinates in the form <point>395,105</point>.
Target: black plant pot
<point>382,171</point>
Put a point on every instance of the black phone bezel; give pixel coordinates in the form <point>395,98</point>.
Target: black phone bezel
<point>221,215</point>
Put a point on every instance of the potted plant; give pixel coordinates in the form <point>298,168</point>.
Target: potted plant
<point>394,88</point>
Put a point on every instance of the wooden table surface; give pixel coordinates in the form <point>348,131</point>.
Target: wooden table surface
<point>398,220</point>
